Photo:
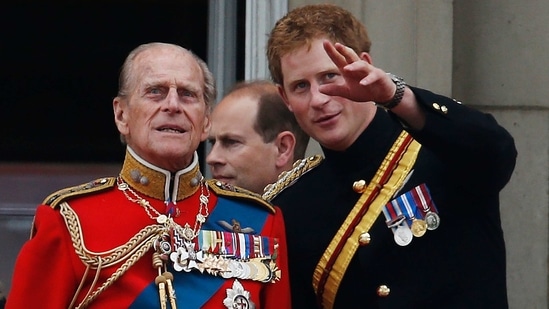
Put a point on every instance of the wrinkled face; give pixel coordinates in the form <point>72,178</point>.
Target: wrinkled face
<point>164,118</point>
<point>238,155</point>
<point>333,121</point>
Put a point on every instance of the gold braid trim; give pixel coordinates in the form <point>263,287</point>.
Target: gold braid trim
<point>286,179</point>
<point>225,189</point>
<point>119,272</point>
<point>101,184</point>
<point>130,252</point>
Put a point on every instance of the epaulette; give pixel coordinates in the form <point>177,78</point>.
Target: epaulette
<point>225,189</point>
<point>62,195</point>
<point>286,179</point>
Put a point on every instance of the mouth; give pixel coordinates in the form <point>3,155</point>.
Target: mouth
<point>171,129</point>
<point>325,118</point>
<point>222,178</point>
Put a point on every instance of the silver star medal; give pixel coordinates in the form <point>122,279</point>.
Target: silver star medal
<point>185,258</point>
<point>237,297</point>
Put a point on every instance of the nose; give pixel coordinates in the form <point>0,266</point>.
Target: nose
<point>214,158</point>
<point>171,103</point>
<point>318,99</point>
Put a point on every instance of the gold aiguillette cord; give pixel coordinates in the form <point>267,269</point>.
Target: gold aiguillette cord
<point>164,281</point>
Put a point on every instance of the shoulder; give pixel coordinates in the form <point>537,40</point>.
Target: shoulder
<point>288,178</point>
<point>93,186</point>
<point>227,190</point>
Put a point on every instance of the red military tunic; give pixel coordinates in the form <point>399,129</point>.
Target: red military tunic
<point>100,225</point>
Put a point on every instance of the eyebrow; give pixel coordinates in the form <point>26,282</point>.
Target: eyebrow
<point>158,82</point>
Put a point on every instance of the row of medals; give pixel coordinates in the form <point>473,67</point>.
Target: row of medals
<point>186,258</point>
<point>403,234</point>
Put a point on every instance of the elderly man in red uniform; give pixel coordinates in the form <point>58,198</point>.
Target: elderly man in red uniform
<point>156,235</point>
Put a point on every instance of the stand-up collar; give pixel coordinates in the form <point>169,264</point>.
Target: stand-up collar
<point>370,147</point>
<point>156,182</point>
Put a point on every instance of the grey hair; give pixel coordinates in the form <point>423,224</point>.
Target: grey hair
<point>210,91</point>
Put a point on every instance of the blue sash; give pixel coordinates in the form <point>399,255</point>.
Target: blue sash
<point>193,289</point>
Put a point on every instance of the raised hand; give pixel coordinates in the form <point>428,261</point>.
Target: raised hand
<point>363,81</point>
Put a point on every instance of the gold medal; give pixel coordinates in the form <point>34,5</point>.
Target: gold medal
<point>262,271</point>
<point>419,227</point>
<point>253,271</point>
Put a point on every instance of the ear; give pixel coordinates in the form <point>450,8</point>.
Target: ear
<point>284,97</point>
<point>366,57</point>
<point>285,144</point>
<point>120,106</point>
<point>206,126</point>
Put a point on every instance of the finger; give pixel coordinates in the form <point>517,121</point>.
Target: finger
<point>338,59</point>
<point>359,66</point>
<point>334,90</point>
<point>349,54</point>
<point>373,76</point>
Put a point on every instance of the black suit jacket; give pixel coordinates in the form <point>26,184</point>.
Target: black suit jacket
<point>465,160</point>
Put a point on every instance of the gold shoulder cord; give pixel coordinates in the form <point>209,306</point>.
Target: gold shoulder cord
<point>130,253</point>
<point>287,178</point>
<point>224,189</point>
<point>334,262</point>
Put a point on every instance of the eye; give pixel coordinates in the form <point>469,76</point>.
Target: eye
<point>330,76</point>
<point>300,86</point>
<point>155,93</point>
<point>187,93</point>
<point>230,142</point>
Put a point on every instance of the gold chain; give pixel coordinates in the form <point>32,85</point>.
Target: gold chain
<point>166,220</point>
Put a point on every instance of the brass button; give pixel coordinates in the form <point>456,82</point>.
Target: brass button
<point>364,239</point>
<point>359,186</point>
<point>436,106</point>
<point>444,109</point>
<point>383,291</point>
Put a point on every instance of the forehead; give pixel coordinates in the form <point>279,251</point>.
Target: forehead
<point>305,60</point>
<point>235,113</point>
<point>168,64</point>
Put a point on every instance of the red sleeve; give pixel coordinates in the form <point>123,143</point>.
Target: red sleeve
<point>44,270</point>
<point>277,295</point>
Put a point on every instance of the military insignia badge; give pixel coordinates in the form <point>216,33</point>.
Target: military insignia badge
<point>237,297</point>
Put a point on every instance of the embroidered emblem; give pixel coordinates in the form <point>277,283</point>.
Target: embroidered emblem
<point>238,298</point>
<point>235,227</point>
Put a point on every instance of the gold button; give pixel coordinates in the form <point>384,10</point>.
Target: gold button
<point>364,239</point>
<point>436,106</point>
<point>383,291</point>
<point>444,109</point>
<point>359,186</point>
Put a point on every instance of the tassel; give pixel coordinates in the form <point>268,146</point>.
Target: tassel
<point>171,292</point>
<point>161,282</point>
